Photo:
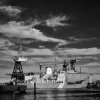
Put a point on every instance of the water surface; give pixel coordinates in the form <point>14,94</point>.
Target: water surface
<point>52,95</point>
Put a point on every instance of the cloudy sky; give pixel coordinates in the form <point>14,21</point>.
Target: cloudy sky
<point>49,28</point>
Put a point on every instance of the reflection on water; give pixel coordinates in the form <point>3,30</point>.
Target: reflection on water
<point>52,95</point>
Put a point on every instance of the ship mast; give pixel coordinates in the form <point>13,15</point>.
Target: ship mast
<point>56,64</point>
<point>20,50</point>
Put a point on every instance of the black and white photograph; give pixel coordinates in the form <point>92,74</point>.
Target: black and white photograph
<point>49,50</point>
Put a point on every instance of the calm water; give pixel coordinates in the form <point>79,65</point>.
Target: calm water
<point>51,95</point>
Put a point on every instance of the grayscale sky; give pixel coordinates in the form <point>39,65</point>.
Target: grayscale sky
<point>49,28</point>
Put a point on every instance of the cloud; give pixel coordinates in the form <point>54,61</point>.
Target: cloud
<point>55,21</point>
<point>52,21</point>
<point>86,57</point>
<point>5,43</point>
<point>25,41</point>
<point>41,46</point>
<point>73,39</point>
<point>6,58</point>
<point>19,30</point>
<point>92,64</point>
<point>10,10</point>
<point>4,2</point>
<point>41,60</point>
<point>34,55</point>
<point>8,53</point>
<point>39,52</point>
<point>33,22</point>
<point>75,51</point>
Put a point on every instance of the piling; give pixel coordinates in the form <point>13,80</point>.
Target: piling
<point>34,87</point>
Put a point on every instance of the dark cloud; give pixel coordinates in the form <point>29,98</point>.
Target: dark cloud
<point>50,28</point>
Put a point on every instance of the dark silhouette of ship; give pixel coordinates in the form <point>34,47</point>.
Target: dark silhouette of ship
<point>17,78</point>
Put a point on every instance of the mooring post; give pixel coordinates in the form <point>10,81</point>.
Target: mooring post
<point>40,69</point>
<point>35,87</point>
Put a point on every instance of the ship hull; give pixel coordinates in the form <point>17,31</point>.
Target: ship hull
<point>12,88</point>
<point>56,85</point>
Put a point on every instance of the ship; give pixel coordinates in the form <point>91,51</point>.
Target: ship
<point>16,83</point>
<point>58,79</point>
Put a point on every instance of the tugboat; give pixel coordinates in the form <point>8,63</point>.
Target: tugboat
<point>16,84</point>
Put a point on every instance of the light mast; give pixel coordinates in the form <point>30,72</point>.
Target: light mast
<point>17,73</point>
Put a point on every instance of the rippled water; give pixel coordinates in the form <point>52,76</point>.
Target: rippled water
<point>52,95</point>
